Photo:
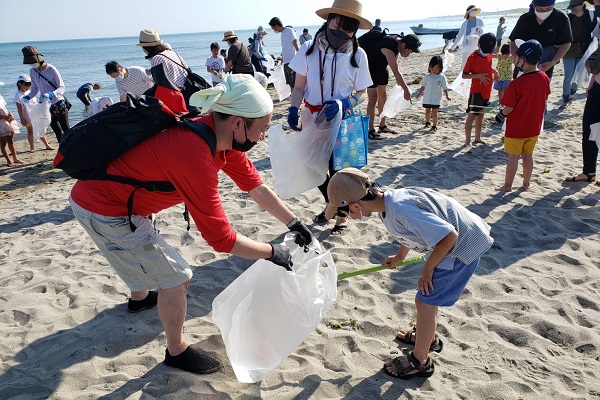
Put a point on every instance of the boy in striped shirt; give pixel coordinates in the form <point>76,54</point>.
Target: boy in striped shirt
<point>426,221</point>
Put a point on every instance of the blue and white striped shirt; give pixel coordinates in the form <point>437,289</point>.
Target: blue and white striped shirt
<point>421,217</point>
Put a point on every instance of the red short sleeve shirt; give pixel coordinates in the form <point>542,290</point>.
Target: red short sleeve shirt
<point>181,157</point>
<point>527,96</point>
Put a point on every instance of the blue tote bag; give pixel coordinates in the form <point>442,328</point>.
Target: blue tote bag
<point>352,142</point>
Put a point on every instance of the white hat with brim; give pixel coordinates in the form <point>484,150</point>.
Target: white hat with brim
<point>229,35</point>
<point>149,38</point>
<point>261,31</point>
<point>347,8</point>
<point>472,8</point>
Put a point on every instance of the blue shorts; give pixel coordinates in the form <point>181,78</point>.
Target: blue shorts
<point>448,284</point>
<point>501,85</point>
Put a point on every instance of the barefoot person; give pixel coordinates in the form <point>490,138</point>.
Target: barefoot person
<point>426,221</point>
<point>241,114</point>
<point>524,103</point>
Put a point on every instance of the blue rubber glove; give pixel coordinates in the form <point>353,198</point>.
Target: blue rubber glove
<point>332,108</point>
<point>26,98</point>
<point>50,95</point>
<point>292,118</point>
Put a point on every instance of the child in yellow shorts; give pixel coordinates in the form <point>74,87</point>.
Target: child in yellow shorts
<point>524,103</point>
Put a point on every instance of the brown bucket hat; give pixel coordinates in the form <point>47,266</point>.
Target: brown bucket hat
<point>31,55</point>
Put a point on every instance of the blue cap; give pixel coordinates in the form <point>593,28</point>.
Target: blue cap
<point>530,50</point>
<point>543,3</point>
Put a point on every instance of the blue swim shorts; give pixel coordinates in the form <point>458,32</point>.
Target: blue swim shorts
<point>501,85</point>
<point>449,284</point>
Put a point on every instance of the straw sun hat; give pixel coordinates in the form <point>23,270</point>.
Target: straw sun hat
<point>472,8</point>
<point>347,8</point>
<point>229,35</point>
<point>149,38</point>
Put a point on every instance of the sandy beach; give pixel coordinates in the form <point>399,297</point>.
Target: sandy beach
<point>527,326</point>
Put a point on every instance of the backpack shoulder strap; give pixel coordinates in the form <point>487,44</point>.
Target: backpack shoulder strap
<point>202,130</point>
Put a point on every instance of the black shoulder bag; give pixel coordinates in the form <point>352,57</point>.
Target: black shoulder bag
<point>67,102</point>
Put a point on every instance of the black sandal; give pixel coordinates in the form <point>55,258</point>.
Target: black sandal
<point>320,218</point>
<point>589,178</point>
<point>404,372</point>
<point>374,136</point>
<point>385,129</point>
<point>436,346</point>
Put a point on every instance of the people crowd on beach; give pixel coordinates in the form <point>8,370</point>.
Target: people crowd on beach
<point>329,74</point>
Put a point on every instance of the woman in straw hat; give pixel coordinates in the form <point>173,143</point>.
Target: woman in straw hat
<point>331,67</point>
<point>471,22</point>
<point>238,57</point>
<point>174,65</point>
<point>258,51</point>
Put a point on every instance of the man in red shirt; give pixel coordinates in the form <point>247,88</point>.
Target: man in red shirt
<point>479,68</point>
<point>524,103</point>
<point>241,114</point>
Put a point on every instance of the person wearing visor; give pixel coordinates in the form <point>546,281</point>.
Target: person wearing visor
<point>421,219</point>
<point>381,53</point>
<point>331,67</point>
<point>550,27</point>
<point>241,113</point>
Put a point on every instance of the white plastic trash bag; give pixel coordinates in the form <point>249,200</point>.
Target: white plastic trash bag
<point>99,104</point>
<point>39,114</point>
<point>300,160</point>
<point>267,311</point>
<point>595,133</point>
<point>581,77</point>
<point>278,79</point>
<point>395,103</point>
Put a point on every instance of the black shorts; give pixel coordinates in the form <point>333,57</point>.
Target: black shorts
<point>435,106</point>
<point>477,104</point>
<point>290,75</point>
<point>379,78</point>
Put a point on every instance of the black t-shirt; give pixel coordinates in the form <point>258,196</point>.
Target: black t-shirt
<point>239,55</point>
<point>377,61</point>
<point>554,31</point>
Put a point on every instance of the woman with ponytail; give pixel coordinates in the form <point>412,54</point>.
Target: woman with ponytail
<point>331,67</point>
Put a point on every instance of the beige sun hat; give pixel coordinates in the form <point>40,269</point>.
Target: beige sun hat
<point>149,38</point>
<point>472,8</point>
<point>261,31</point>
<point>347,8</point>
<point>229,35</point>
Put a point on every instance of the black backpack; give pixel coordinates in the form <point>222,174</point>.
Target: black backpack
<point>86,149</point>
<point>369,40</point>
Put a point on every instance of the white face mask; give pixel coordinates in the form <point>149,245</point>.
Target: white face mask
<point>119,78</point>
<point>543,15</point>
<point>36,65</point>
<point>473,14</point>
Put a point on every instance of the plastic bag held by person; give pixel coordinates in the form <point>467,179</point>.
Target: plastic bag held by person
<point>395,103</point>
<point>39,113</point>
<point>300,159</point>
<point>277,78</point>
<point>267,312</point>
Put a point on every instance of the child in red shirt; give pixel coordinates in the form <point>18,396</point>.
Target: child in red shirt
<point>524,103</point>
<point>479,68</point>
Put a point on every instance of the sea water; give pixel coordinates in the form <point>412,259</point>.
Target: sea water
<point>82,60</point>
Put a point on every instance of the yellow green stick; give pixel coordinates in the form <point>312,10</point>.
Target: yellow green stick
<point>345,275</point>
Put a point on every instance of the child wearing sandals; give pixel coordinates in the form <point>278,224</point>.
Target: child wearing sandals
<point>432,87</point>
<point>524,103</point>
<point>8,127</point>
<point>426,221</point>
<point>479,68</point>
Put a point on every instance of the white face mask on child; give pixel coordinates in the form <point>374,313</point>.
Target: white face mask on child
<point>543,15</point>
<point>473,14</point>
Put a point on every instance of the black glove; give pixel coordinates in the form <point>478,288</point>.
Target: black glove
<point>281,256</point>
<point>305,236</point>
<point>500,117</point>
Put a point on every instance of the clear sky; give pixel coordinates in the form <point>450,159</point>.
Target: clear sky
<point>29,20</point>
